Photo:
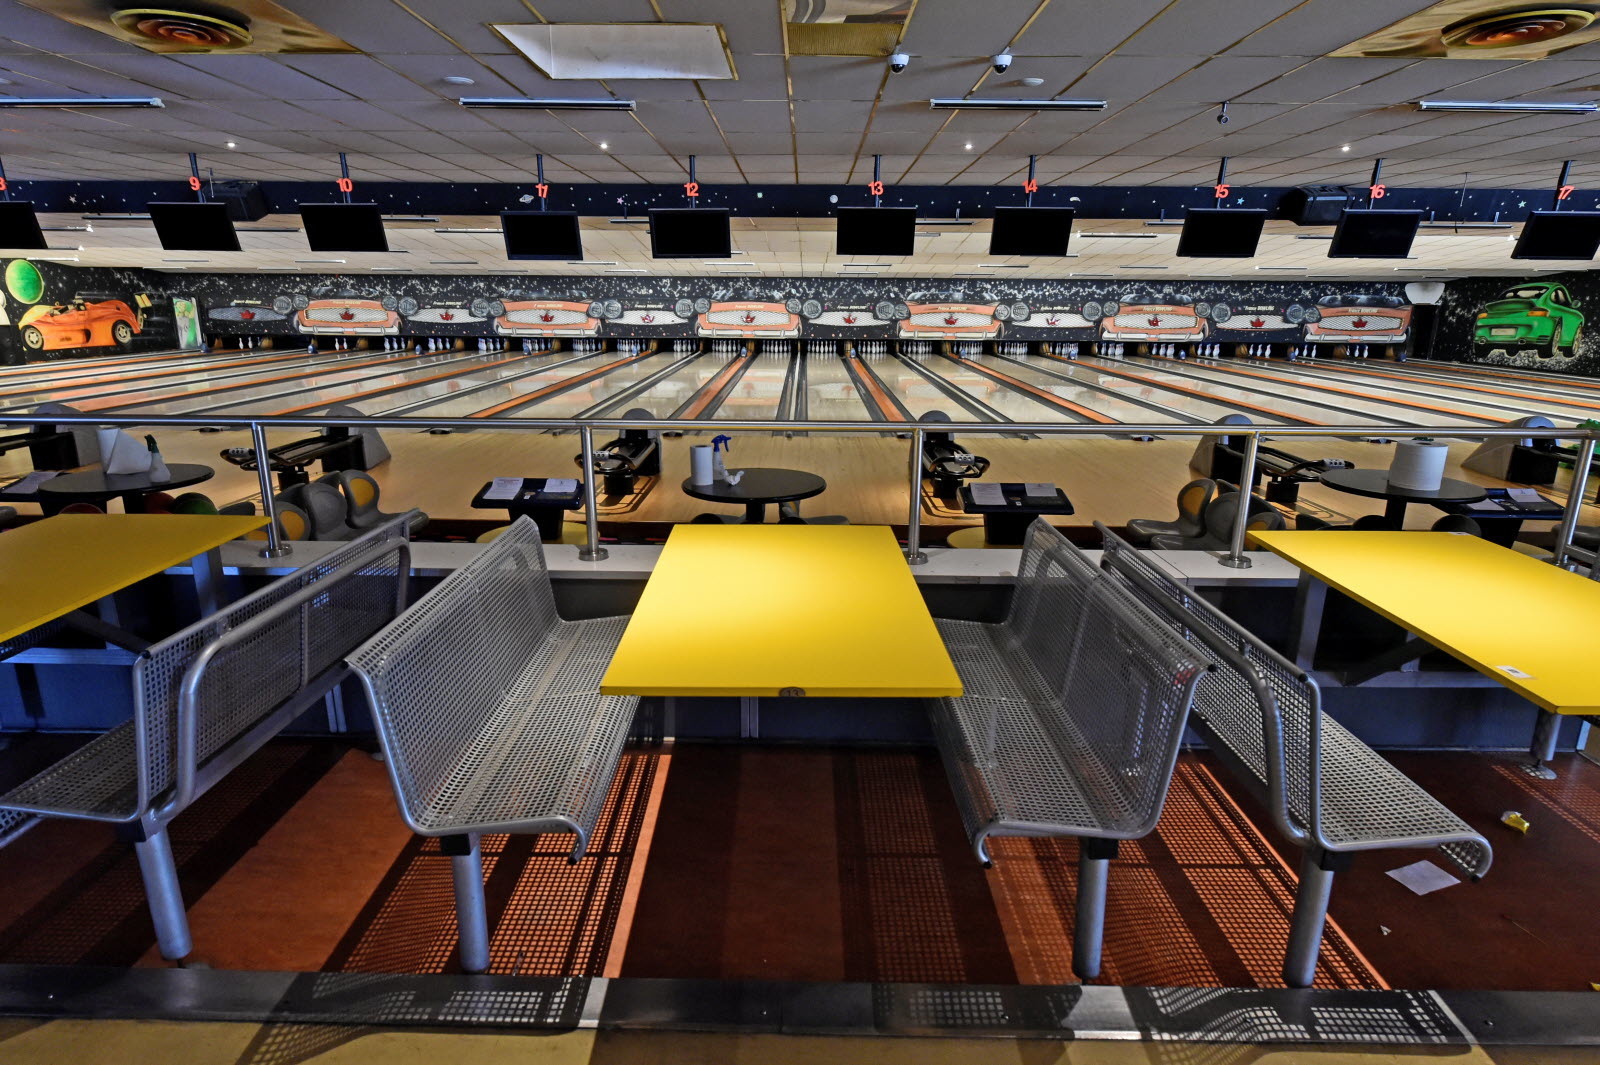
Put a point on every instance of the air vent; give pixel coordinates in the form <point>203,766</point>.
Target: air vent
<point>1482,29</point>
<point>185,29</point>
<point>195,26</point>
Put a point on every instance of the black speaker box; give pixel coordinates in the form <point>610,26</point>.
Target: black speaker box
<point>244,199</point>
<point>1315,205</point>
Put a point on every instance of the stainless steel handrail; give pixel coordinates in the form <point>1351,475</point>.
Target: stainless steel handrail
<point>1234,557</point>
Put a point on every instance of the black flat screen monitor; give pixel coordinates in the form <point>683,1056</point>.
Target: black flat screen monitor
<point>19,227</point>
<point>1559,235</point>
<point>875,231</point>
<point>1221,232</point>
<point>194,226</point>
<point>541,235</point>
<point>690,233</point>
<point>1374,234</point>
<point>344,227</point>
<point>1039,231</point>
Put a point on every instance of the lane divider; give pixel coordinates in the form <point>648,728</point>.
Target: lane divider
<point>1199,393</point>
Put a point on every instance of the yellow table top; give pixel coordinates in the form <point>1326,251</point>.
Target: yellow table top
<point>1526,623</point>
<point>53,567</point>
<point>781,609</point>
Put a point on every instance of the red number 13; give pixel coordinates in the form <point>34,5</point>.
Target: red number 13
<point>875,187</point>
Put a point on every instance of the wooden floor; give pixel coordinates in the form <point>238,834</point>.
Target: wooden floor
<point>1107,480</point>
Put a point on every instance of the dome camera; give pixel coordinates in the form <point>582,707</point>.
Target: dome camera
<point>1002,62</point>
<point>898,62</point>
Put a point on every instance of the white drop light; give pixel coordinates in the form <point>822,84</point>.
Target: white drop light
<point>604,146</point>
<point>232,145</point>
<point>969,146</point>
<point>1344,148</point>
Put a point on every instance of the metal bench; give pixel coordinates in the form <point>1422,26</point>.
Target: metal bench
<point>488,707</point>
<point>208,697</point>
<point>1071,720</point>
<point>1326,791</point>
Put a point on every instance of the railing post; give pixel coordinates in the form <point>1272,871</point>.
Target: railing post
<point>275,548</point>
<point>591,551</point>
<point>914,553</point>
<point>1580,483</point>
<point>1236,558</point>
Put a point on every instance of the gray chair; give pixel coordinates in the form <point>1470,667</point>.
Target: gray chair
<point>325,506</point>
<point>1193,498</point>
<point>488,708</point>
<point>7,516</point>
<point>1220,516</point>
<point>361,493</point>
<point>1460,523</point>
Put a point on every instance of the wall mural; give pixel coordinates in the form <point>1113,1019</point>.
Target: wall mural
<point>790,308</point>
<point>1538,324</point>
<point>50,311</point>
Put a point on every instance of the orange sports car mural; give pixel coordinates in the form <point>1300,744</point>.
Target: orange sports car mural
<point>79,323</point>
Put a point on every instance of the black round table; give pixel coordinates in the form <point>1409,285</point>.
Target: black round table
<point>97,486</point>
<point>1375,485</point>
<point>758,487</point>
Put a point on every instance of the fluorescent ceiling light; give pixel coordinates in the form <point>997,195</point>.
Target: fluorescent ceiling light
<point>1003,266</point>
<point>319,262</point>
<point>57,258</point>
<point>629,221</point>
<point>268,229</point>
<point>1165,222</point>
<point>592,262</point>
<point>1121,266</point>
<point>81,101</point>
<point>1282,268</point>
<point>864,266</point>
<point>495,229</point>
<point>997,104</point>
<point>1122,236</point>
<point>452,262</point>
<point>1464,225</point>
<point>116,218</point>
<point>1509,106</point>
<point>941,222</point>
<point>554,103</point>
<point>67,229</point>
<point>629,270</point>
<point>409,218</point>
<point>185,260</point>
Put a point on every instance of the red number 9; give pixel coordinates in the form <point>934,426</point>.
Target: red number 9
<point>194,184</point>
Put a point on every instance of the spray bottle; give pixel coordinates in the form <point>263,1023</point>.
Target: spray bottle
<point>719,445</point>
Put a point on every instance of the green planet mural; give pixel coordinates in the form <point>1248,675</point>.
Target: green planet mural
<point>24,281</point>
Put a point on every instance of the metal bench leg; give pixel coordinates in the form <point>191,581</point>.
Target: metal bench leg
<point>165,896</point>
<point>1094,871</point>
<point>472,916</point>
<point>1317,868</point>
<point>1543,748</point>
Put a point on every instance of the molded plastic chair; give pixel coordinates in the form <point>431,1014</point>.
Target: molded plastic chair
<point>1193,499</point>
<point>325,506</point>
<point>293,523</point>
<point>360,493</point>
<point>1220,515</point>
<point>7,516</point>
<point>1457,523</point>
<point>80,508</point>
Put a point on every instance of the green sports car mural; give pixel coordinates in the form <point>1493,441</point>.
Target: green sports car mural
<point>1537,315</point>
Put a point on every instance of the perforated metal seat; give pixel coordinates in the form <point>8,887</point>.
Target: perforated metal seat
<point>488,707</point>
<point>208,697</point>
<point>1326,790</point>
<point>1073,711</point>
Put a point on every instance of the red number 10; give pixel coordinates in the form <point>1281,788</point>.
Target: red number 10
<point>346,185</point>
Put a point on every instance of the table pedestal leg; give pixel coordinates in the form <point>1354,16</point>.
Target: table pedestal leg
<point>1543,747</point>
<point>132,502</point>
<point>1395,512</point>
<point>749,717</point>
<point>755,513</point>
<point>207,571</point>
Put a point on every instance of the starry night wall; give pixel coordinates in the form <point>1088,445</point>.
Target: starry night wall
<point>788,308</point>
<point>1550,322</point>
<point>52,311</point>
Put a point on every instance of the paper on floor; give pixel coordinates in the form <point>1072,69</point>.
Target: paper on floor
<point>1423,877</point>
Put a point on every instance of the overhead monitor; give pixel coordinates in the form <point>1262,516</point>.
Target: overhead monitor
<point>541,235</point>
<point>875,231</point>
<point>1037,231</point>
<point>690,233</point>
<point>1221,232</point>
<point>19,227</point>
<point>1559,235</point>
<point>194,226</point>
<point>344,227</point>
<point>1374,234</point>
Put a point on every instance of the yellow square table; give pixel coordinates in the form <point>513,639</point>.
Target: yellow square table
<point>1525,623</point>
<point>51,568</point>
<point>781,610</point>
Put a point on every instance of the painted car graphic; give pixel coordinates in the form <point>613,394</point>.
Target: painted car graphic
<point>345,316</point>
<point>1537,315</point>
<point>246,311</point>
<point>1081,315</point>
<point>855,317</point>
<point>953,321</point>
<point>1162,322</point>
<point>452,312</point>
<point>547,318</point>
<point>79,323</point>
<point>1359,319</point>
<point>748,319</point>
<point>1259,320</point>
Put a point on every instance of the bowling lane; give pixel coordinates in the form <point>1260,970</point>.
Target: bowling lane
<point>313,391</point>
<point>598,392</point>
<point>1168,398</point>
<point>755,396</point>
<point>1508,373</point>
<point>1039,398</point>
<point>1501,404</point>
<point>242,371</point>
<point>52,369</point>
<point>1584,392</point>
<point>1348,404</point>
<point>683,390</point>
<point>829,393</point>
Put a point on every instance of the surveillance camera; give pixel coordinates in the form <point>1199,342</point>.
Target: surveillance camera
<point>1222,119</point>
<point>1002,62</point>
<point>898,62</point>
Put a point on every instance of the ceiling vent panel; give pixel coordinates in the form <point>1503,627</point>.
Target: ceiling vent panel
<point>619,50</point>
<point>1483,29</point>
<point>243,26</point>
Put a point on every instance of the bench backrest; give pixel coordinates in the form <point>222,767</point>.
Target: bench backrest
<point>1265,712</point>
<point>204,688</point>
<point>1119,675</point>
<point>436,675</point>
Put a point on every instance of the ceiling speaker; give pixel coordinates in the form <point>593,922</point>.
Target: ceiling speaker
<point>185,28</point>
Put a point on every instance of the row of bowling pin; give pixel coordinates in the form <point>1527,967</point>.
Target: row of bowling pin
<point>822,347</point>
<point>727,346</point>
<point>872,347</point>
<point>1171,351</point>
<point>246,342</point>
<point>632,347</point>
<point>776,347</point>
<point>1011,348</point>
<point>685,345</point>
<point>588,344</point>
<point>1066,351</point>
<point>916,347</point>
<point>1359,351</point>
<point>1110,347</point>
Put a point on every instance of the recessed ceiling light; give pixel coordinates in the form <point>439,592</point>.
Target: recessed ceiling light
<point>457,79</point>
<point>969,146</point>
<point>604,147</point>
<point>1344,147</point>
<point>231,145</point>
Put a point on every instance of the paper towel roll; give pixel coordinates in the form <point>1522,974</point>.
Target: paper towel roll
<point>700,471</point>
<point>1418,465</point>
